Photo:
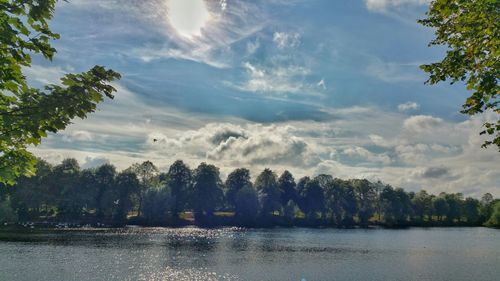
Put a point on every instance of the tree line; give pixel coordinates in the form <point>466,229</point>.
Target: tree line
<point>143,195</point>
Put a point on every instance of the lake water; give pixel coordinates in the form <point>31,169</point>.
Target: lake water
<point>237,254</point>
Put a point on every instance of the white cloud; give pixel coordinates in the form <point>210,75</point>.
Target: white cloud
<point>408,106</point>
<point>322,84</point>
<point>80,135</point>
<point>382,5</point>
<point>250,144</point>
<point>422,124</point>
<point>45,75</point>
<point>286,40</point>
<point>277,80</point>
<point>223,4</point>
<point>381,141</point>
<point>412,153</point>
<point>363,154</point>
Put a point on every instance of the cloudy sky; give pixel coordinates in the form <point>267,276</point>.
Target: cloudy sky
<point>314,86</point>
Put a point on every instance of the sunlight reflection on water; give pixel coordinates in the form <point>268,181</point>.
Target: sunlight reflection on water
<point>239,254</point>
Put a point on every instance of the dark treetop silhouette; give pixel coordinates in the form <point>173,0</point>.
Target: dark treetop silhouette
<point>143,195</point>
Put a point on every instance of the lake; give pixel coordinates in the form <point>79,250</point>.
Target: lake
<point>262,254</point>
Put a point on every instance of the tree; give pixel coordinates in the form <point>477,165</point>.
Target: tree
<point>179,181</point>
<point>494,220</point>
<point>470,30</point>
<point>28,114</point>
<point>235,181</point>
<point>66,188</point>
<point>29,194</point>
<point>126,186</point>
<point>365,196</point>
<point>148,177</point>
<point>471,210</point>
<point>269,194</point>
<point>157,203</point>
<point>207,191</point>
<point>324,181</point>
<point>422,205</point>
<point>440,207</point>
<point>486,199</point>
<point>287,187</point>
<point>486,207</point>
<point>350,204</point>
<point>289,211</point>
<point>334,200</point>
<point>454,201</point>
<point>246,205</point>
<point>313,198</point>
<point>105,177</point>
<point>301,187</point>
<point>396,205</point>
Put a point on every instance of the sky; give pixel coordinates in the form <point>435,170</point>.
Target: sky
<point>311,86</point>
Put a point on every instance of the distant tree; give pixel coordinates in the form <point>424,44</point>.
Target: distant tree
<point>28,114</point>
<point>487,198</point>
<point>350,204</point>
<point>269,194</point>
<point>65,178</point>
<point>334,200</point>
<point>207,191</point>
<point>236,180</point>
<point>301,187</point>
<point>44,180</point>
<point>486,207</point>
<point>455,204</point>
<point>287,187</point>
<point>440,207</point>
<point>470,31</point>
<point>30,194</point>
<point>313,198</point>
<point>422,205</point>
<point>396,205</point>
<point>246,205</point>
<point>105,177</point>
<point>471,210</point>
<point>126,187</point>
<point>366,196</point>
<point>323,180</point>
<point>148,177</point>
<point>494,220</point>
<point>289,211</point>
<point>66,193</point>
<point>179,180</point>
<point>156,204</point>
<point>88,186</point>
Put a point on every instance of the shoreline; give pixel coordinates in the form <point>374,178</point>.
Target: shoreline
<point>74,226</point>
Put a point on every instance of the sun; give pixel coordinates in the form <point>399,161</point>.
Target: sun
<point>188,17</point>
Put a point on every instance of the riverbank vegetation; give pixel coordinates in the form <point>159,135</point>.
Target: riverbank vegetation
<point>142,195</point>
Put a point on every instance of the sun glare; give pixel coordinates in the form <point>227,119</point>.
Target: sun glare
<point>188,17</point>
